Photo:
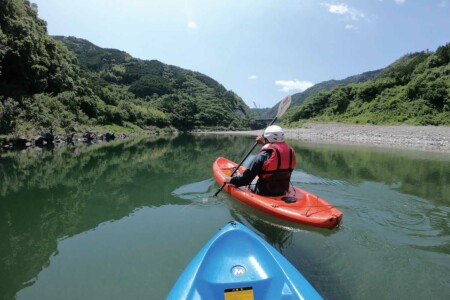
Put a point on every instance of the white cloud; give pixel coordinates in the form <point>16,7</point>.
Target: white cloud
<point>400,2</point>
<point>252,77</point>
<point>344,9</point>
<point>290,85</point>
<point>192,25</point>
<point>349,26</point>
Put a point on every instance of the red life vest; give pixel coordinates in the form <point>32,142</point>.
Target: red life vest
<point>276,171</point>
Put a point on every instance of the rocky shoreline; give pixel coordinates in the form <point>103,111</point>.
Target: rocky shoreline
<point>427,138</point>
<point>75,136</point>
<point>50,139</point>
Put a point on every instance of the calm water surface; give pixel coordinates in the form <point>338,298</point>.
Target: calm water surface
<point>122,220</point>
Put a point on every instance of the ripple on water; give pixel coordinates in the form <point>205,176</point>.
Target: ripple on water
<point>325,264</point>
<point>197,192</point>
<point>401,218</point>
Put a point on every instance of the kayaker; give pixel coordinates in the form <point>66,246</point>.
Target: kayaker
<point>273,165</point>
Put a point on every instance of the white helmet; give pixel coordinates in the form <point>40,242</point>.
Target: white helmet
<point>274,134</point>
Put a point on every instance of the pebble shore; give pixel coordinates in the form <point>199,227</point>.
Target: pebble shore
<point>428,138</point>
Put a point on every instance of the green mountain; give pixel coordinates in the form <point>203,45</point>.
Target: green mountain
<point>413,90</point>
<point>299,98</point>
<point>186,96</point>
<point>56,84</point>
<point>50,84</point>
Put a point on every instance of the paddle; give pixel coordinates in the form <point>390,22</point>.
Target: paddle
<point>282,107</point>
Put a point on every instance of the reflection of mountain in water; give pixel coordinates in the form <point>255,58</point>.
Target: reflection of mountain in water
<point>49,195</point>
<point>414,173</point>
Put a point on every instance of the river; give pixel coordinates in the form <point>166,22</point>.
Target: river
<point>121,220</point>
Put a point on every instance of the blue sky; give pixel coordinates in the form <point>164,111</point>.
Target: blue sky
<point>262,50</point>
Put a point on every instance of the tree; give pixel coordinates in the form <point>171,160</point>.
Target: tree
<point>149,85</point>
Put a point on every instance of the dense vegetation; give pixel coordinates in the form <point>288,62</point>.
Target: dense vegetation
<point>413,90</point>
<point>59,83</point>
<point>299,98</point>
<point>46,86</point>
<point>189,98</point>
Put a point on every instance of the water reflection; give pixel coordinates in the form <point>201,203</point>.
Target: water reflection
<point>47,196</point>
<point>423,174</point>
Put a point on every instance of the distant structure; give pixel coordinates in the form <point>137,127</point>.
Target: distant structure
<point>260,123</point>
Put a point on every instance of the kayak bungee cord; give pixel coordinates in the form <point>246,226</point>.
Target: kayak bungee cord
<point>317,199</point>
<point>311,206</point>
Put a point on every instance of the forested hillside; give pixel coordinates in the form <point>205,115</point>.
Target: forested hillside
<point>413,90</point>
<point>191,99</point>
<point>45,86</point>
<point>299,98</point>
<point>56,84</point>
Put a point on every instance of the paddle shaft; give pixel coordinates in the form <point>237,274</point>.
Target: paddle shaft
<point>235,169</point>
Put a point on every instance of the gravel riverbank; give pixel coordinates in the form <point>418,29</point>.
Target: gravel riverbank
<point>429,138</point>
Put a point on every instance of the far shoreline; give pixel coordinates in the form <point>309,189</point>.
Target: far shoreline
<point>426,138</point>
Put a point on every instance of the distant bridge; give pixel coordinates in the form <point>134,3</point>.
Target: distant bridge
<point>260,123</point>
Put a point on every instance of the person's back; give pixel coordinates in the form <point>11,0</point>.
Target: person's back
<point>275,174</point>
<point>273,165</point>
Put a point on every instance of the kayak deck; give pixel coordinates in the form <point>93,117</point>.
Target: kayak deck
<point>297,205</point>
<point>238,264</point>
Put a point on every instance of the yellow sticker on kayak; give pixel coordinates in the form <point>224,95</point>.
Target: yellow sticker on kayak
<point>228,171</point>
<point>245,293</point>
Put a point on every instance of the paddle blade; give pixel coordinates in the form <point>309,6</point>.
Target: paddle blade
<point>284,105</point>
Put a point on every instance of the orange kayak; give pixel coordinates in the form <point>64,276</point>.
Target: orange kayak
<point>297,205</point>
